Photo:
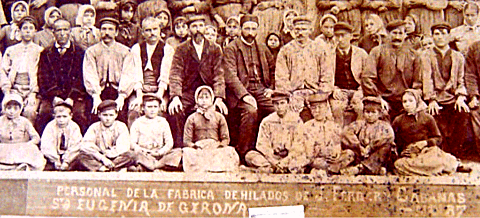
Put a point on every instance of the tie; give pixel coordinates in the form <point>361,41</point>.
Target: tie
<point>63,146</point>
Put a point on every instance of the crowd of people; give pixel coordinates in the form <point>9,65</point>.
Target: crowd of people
<point>352,87</point>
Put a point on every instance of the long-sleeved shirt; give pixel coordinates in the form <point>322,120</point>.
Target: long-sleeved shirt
<point>52,138</point>
<point>44,38</point>
<point>102,62</point>
<point>277,134</point>
<point>469,35</point>
<point>85,37</point>
<point>390,72</point>
<point>20,58</point>
<point>17,130</point>
<point>362,133</point>
<point>151,134</point>
<point>321,139</point>
<point>101,140</point>
<point>304,67</point>
<point>198,127</point>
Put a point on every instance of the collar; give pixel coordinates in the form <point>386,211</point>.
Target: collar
<point>106,46</point>
<point>346,51</point>
<point>67,46</point>
<point>247,43</point>
<point>442,53</point>
<point>304,44</point>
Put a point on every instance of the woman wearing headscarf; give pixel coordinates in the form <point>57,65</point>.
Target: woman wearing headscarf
<point>274,43</point>
<point>18,139</point>
<point>375,33</point>
<point>45,37</point>
<point>417,138</point>
<point>428,11</point>
<point>70,8</point>
<point>165,23</point>
<point>129,29</point>
<point>345,10</point>
<point>286,31</point>
<point>10,34</point>
<point>413,32</point>
<point>86,34</point>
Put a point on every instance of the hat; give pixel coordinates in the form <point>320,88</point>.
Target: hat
<point>280,95</point>
<point>343,26</point>
<point>108,19</point>
<point>150,97</point>
<point>328,16</point>
<point>394,24</point>
<point>62,103</point>
<point>179,19</point>
<point>107,105</point>
<point>318,97</point>
<point>248,18</point>
<point>440,26</point>
<point>233,18</point>
<point>30,19</point>
<point>371,100</point>
<point>301,19</point>
<point>196,18</point>
<point>12,97</point>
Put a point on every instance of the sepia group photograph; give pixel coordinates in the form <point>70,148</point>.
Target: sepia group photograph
<point>240,108</point>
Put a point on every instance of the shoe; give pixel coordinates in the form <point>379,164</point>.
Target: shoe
<point>103,169</point>
<point>350,171</point>
<point>265,169</point>
<point>464,169</point>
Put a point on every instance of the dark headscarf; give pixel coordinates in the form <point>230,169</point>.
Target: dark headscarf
<point>274,51</point>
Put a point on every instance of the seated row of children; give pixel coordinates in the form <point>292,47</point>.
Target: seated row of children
<point>285,144</point>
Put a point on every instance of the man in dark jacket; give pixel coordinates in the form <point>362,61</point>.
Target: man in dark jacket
<point>195,63</point>
<point>60,77</point>
<point>249,68</point>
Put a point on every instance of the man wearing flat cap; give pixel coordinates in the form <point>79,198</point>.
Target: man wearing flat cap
<point>444,88</point>
<point>106,145</point>
<point>249,68</point>
<point>276,151</point>
<point>350,62</point>
<point>104,71</point>
<point>391,69</point>
<point>303,66</point>
<point>320,137</point>
<point>195,63</point>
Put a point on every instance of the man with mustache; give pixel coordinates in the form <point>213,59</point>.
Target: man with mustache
<point>391,69</point>
<point>104,73</point>
<point>195,63</point>
<point>304,67</point>
<point>249,68</point>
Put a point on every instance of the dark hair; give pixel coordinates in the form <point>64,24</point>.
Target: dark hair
<point>27,19</point>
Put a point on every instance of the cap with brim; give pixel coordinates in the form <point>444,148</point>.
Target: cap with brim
<point>248,18</point>
<point>63,103</point>
<point>342,26</point>
<point>196,18</point>
<point>372,101</point>
<point>30,19</point>
<point>301,20</point>
<point>150,97</point>
<point>318,97</point>
<point>394,25</point>
<point>280,95</point>
<point>179,20</point>
<point>441,26</point>
<point>107,105</point>
<point>108,20</point>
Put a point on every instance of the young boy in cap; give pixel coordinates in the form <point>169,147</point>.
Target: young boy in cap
<point>18,73</point>
<point>444,88</point>
<point>61,138</point>
<point>371,139</point>
<point>152,139</point>
<point>106,145</point>
<point>321,138</point>
<point>18,139</point>
<point>276,149</point>
<point>206,138</point>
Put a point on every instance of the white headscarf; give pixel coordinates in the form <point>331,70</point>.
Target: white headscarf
<point>49,11</point>
<point>12,97</point>
<point>208,113</point>
<point>81,12</point>
<point>14,30</point>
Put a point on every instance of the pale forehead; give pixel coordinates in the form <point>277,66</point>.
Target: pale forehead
<point>62,24</point>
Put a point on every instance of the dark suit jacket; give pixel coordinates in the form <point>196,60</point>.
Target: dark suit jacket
<point>61,75</point>
<point>186,66</point>
<point>235,69</point>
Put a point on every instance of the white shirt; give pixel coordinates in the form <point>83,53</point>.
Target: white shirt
<point>199,48</point>
<point>150,50</point>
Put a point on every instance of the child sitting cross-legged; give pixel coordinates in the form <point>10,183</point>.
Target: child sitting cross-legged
<point>61,138</point>
<point>206,138</point>
<point>371,139</point>
<point>152,139</point>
